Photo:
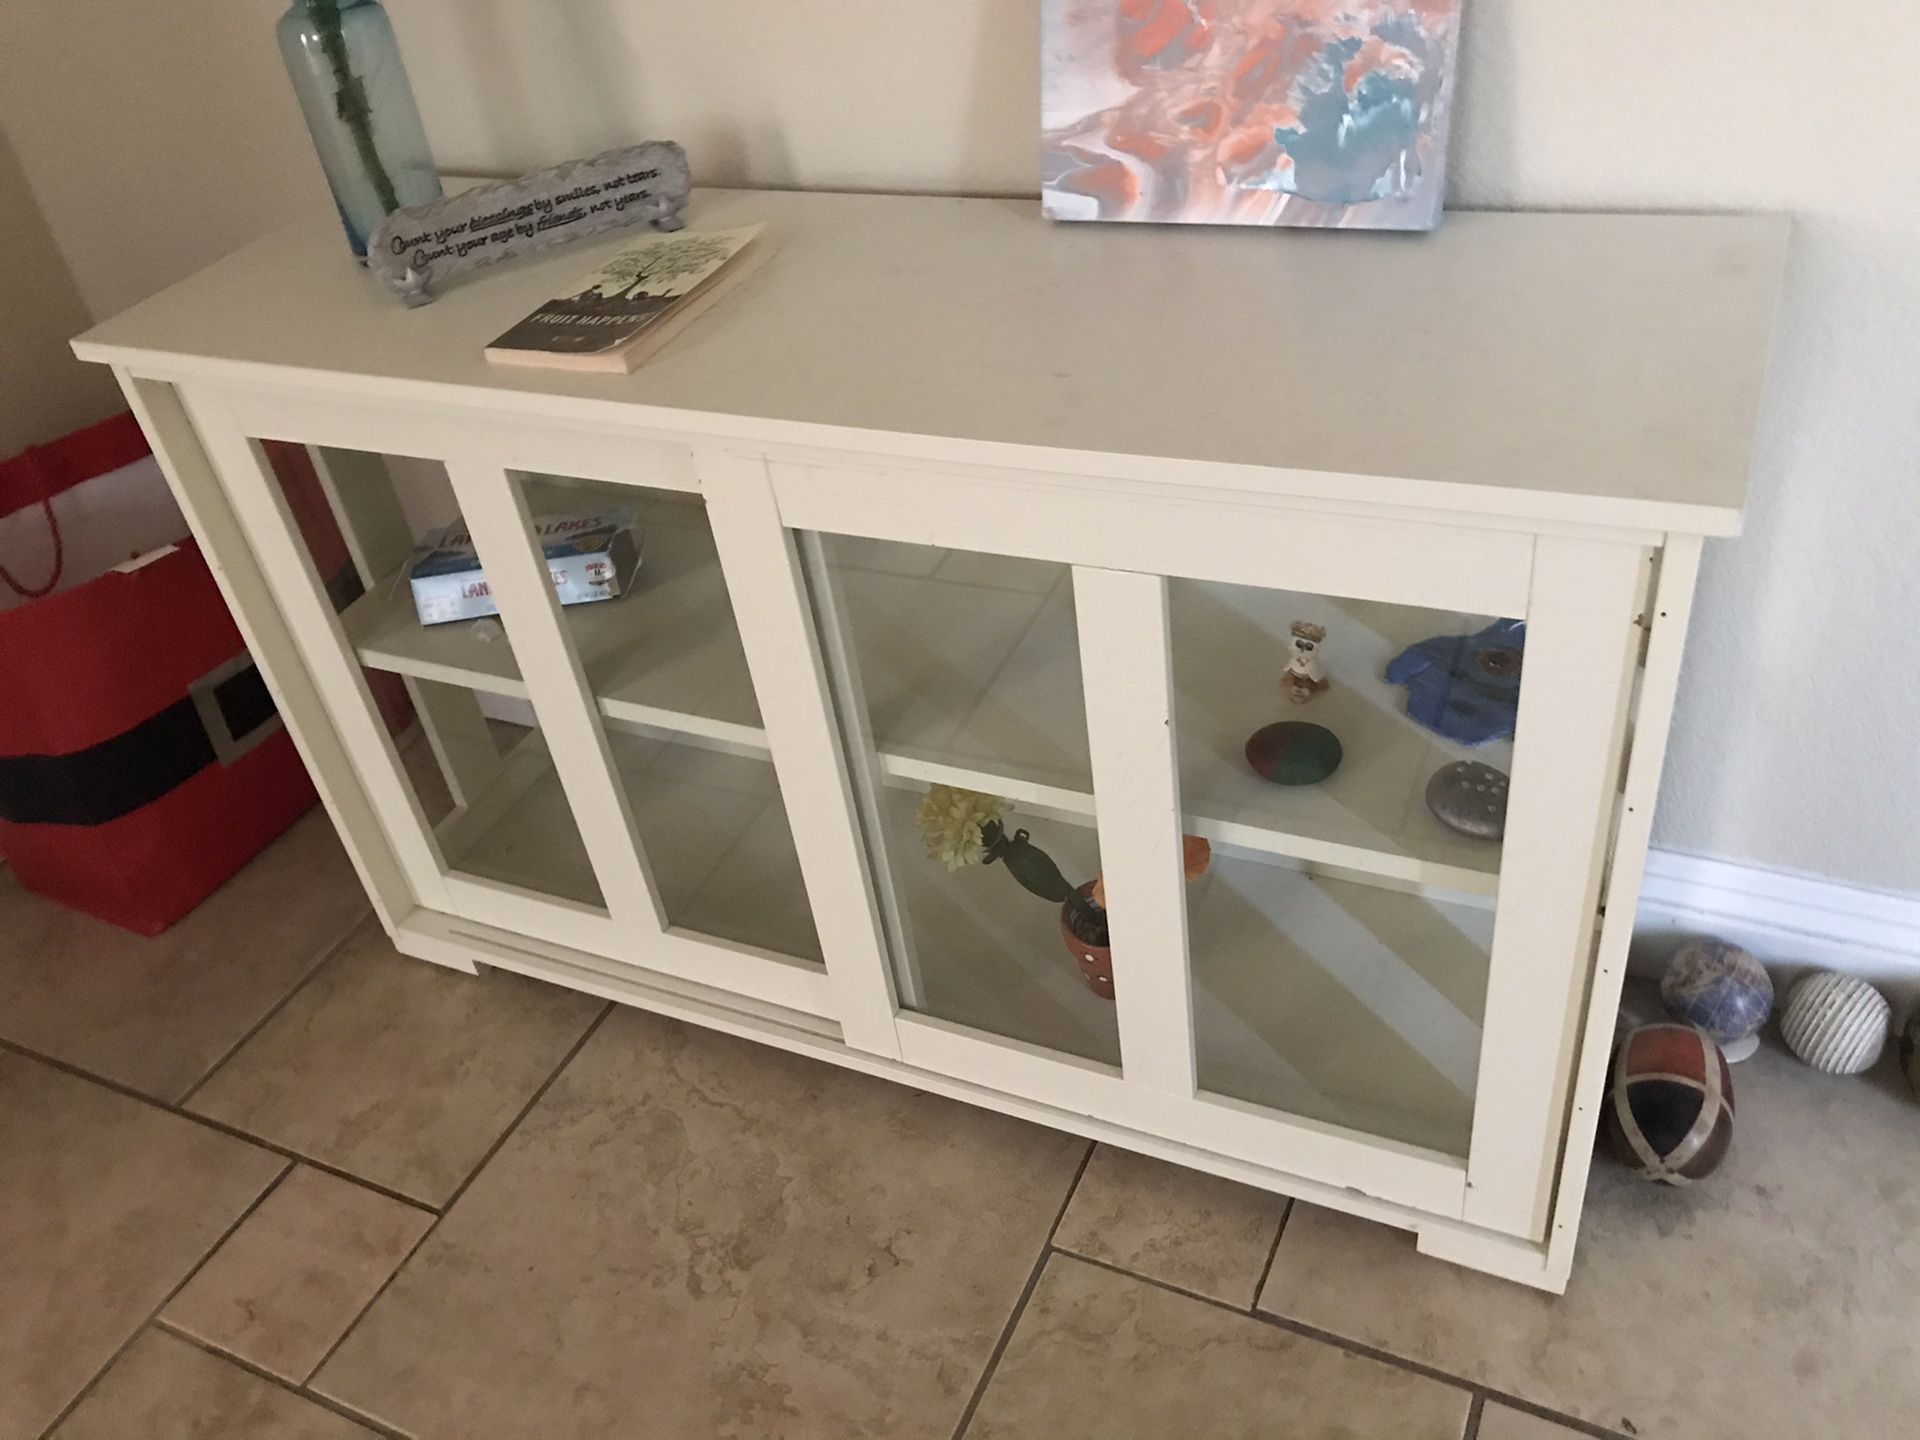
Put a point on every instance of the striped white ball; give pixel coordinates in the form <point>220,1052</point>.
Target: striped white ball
<point>1836,1023</point>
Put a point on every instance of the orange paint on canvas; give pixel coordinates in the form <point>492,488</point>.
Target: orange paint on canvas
<point>1314,112</point>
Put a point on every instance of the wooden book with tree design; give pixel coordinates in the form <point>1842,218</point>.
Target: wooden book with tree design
<point>634,304</point>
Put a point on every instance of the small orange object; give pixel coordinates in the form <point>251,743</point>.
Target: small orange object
<point>1195,855</point>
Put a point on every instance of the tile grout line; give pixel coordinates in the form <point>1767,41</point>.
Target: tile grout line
<point>166,1300</point>
<point>532,1100</point>
<point>1306,1332</point>
<point>1273,1250</point>
<point>1158,1284</point>
<point>1481,1393</point>
<point>1555,1417</point>
<point>220,1127</point>
<point>1484,1392</point>
<point>1355,1347</point>
<point>326,957</point>
<point>306,1386</point>
<point>1020,1305</point>
<point>461,1189</point>
<point>280,1382</point>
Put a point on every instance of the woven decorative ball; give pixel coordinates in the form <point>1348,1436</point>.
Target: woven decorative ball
<point>1836,1023</point>
<point>1668,1112</point>
<point>1722,989</point>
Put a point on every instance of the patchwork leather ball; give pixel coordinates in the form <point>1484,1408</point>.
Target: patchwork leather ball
<point>1668,1112</point>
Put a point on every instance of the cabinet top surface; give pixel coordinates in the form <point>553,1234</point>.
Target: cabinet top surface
<point>1602,369</point>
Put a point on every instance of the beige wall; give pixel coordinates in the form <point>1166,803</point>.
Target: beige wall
<point>44,391</point>
<point>158,137</point>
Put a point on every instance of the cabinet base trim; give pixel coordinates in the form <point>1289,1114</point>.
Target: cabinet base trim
<point>461,944</point>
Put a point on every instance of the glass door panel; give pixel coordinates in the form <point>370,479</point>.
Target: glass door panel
<point>976,948</point>
<point>717,840</point>
<point>479,767</point>
<point>514,826</point>
<point>665,648</point>
<point>957,676</point>
<point>1348,761</point>
<point>653,630</point>
<point>960,655</point>
<point>1233,646</point>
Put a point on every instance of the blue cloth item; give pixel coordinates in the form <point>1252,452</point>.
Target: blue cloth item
<point>1465,687</point>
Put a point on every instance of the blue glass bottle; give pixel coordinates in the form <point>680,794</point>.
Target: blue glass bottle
<point>353,89</point>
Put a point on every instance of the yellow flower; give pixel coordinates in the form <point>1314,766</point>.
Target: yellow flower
<point>950,819</point>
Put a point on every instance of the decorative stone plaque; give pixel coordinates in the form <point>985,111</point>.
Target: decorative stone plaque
<point>416,251</point>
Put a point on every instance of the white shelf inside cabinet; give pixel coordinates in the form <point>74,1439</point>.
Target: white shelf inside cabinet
<point>715,834</point>
<point>666,656</point>
<point>1229,648</point>
<point>971,674</point>
<point>970,670</point>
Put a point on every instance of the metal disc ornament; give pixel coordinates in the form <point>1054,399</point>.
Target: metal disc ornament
<point>1294,752</point>
<point>1471,798</point>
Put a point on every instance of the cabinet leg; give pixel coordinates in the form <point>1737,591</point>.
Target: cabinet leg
<point>438,952</point>
<point>1522,1262</point>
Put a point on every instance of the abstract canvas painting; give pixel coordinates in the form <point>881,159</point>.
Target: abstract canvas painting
<point>1248,112</point>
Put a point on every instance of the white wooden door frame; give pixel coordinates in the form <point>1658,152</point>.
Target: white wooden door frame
<point>1582,594</point>
<point>252,490</point>
<point>632,926</point>
<point>759,559</point>
<point>494,510</point>
<point>1126,666</point>
<point>637,936</point>
<point>1668,608</point>
<point>380,424</point>
<point>1078,522</point>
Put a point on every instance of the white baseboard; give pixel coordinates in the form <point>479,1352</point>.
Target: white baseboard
<point>1791,922</point>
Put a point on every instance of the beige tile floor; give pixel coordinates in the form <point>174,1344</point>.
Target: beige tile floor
<point>265,1178</point>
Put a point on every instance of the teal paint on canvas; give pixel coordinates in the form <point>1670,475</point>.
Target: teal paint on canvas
<point>1248,112</point>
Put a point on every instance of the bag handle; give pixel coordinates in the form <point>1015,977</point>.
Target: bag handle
<point>29,592</point>
<point>41,472</point>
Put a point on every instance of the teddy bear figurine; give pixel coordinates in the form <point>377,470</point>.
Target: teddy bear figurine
<point>1304,677</point>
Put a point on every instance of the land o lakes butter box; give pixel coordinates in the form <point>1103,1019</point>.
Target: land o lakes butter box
<point>593,555</point>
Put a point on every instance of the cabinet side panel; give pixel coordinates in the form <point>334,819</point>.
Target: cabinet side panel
<point>1668,611</point>
<point>270,640</point>
<point>268,532</point>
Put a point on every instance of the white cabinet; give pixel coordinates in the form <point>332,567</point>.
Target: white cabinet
<point>947,498</point>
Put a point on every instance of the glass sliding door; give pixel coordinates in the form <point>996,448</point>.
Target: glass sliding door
<point>958,682</point>
<point>1348,760</point>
